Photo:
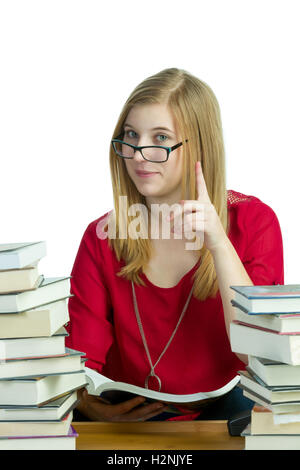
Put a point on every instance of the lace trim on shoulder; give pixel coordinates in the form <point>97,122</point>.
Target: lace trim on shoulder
<point>233,197</point>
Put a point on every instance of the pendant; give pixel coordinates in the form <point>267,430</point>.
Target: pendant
<point>152,375</point>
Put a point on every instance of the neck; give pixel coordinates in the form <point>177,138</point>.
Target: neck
<point>168,201</point>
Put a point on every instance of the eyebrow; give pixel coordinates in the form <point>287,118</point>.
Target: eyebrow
<point>158,128</point>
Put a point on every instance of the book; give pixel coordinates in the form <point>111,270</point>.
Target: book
<point>270,345</point>
<point>283,323</point>
<point>39,321</point>
<point>262,422</point>
<point>17,280</point>
<point>273,372</point>
<point>20,255</point>
<point>53,410</point>
<point>269,299</point>
<point>50,289</point>
<point>39,390</point>
<point>62,442</point>
<point>39,376</point>
<point>271,394</point>
<point>33,429</point>
<point>117,392</point>
<point>271,441</point>
<point>285,418</point>
<point>16,348</point>
<point>70,361</point>
<point>276,408</point>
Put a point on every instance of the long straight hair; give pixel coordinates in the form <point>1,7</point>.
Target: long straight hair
<point>197,114</point>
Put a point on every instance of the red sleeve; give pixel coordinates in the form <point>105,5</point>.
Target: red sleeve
<point>263,258</point>
<point>90,327</point>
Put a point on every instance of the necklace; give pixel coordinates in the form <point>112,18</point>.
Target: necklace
<point>138,318</point>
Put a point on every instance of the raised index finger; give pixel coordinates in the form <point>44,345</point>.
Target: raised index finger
<point>202,194</point>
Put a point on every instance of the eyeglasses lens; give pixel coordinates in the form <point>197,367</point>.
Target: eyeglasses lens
<point>153,153</point>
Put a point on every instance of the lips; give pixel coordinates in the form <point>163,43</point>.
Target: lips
<point>145,173</point>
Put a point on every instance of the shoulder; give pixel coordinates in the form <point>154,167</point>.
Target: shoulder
<point>255,232</point>
<point>95,234</point>
<point>96,228</point>
<point>245,205</point>
<point>251,221</point>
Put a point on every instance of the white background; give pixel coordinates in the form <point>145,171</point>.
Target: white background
<point>67,67</point>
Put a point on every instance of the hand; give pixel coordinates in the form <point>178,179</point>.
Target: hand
<point>97,409</point>
<point>199,217</point>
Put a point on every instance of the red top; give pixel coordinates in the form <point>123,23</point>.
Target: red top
<point>199,358</point>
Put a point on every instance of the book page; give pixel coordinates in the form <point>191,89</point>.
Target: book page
<point>95,380</point>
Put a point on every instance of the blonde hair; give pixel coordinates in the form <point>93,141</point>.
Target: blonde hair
<point>197,114</point>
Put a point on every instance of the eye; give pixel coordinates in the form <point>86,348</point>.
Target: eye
<point>128,134</point>
<point>165,137</point>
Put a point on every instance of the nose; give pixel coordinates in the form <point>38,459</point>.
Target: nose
<point>137,156</point>
<point>140,141</point>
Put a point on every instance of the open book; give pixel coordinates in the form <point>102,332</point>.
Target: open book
<point>117,392</point>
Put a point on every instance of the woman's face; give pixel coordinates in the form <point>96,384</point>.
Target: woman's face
<point>154,124</point>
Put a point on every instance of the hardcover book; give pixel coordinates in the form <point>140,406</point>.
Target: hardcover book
<point>20,255</point>
<point>49,290</point>
<point>269,299</point>
<point>61,442</point>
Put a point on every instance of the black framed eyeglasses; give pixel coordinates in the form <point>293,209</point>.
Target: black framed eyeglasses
<point>151,153</point>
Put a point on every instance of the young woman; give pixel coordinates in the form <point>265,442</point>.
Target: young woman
<point>152,307</point>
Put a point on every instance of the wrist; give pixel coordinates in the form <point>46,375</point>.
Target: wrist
<point>82,405</point>
<point>85,406</point>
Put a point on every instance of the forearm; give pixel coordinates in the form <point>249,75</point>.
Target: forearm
<point>230,271</point>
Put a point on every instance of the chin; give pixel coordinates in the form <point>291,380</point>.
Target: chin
<point>148,193</point>
<point>146,188</point>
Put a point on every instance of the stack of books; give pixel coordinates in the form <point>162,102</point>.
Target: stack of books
<point>267,329</point>
<point>39,376</point>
